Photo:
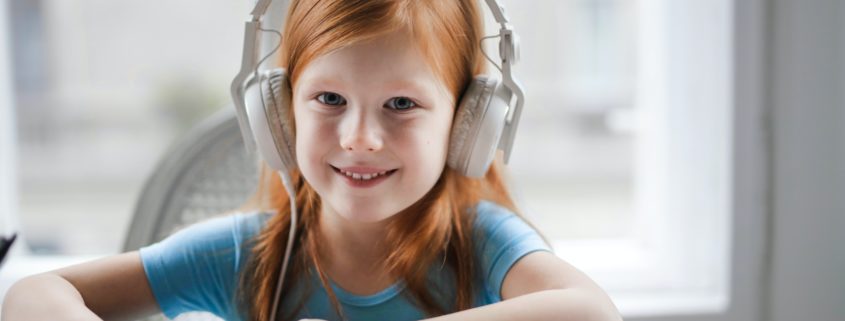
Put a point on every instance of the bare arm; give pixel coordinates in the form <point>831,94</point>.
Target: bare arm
<point>541,286</point>
<point>113,288</point>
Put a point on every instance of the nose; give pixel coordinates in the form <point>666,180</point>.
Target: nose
<point>361,134</point>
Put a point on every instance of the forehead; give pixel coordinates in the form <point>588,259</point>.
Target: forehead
<point>391,59</point>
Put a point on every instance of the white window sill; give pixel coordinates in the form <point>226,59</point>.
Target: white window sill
<point>646,305</point>
<point>639,283</point>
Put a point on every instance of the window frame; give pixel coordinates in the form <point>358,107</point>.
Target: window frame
<point>8,137</point>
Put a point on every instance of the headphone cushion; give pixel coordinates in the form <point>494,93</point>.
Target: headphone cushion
<point>467,122</point>
<point>275,89</point>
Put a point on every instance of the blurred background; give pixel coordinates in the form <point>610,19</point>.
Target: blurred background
<point>654,151</point>
<point>102,88</point>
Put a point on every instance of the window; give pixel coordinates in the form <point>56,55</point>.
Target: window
<point>626,162</point>
<point>573,159</point>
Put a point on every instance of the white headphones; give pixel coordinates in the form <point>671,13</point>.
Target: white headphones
<point>483,123</point>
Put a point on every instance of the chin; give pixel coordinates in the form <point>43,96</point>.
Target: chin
<point>366,213</point>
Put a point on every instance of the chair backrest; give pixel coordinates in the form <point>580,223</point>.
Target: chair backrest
<point>205,174</point>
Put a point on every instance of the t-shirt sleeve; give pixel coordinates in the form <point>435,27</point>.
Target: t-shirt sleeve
<point>502,239</point>
<point>196,269</point>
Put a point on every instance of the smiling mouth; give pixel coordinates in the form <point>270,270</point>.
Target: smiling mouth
<point>361,177</point>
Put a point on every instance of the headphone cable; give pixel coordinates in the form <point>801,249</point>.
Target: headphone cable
<point>286,181</point>
<point>481,45</point>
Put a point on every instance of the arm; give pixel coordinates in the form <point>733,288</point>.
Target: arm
<point>113,288</point>
<point>541,286</point>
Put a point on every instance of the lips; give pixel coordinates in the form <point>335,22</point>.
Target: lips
<point>363,176</point>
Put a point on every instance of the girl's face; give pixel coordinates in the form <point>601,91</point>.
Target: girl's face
<point>372,127</point>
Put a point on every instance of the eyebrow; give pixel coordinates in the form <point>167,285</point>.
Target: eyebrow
<point>393,85</point>
<point>414,86</point>
<point>322,81</point>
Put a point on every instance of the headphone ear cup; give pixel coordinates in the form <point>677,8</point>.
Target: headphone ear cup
<point>477,127</point>
<point>267,100</point>
<point>277,95</point>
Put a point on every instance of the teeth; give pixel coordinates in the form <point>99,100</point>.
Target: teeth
<point>363,177</point>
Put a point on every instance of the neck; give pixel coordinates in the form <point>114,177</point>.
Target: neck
<point>351,244</point>
<point>354,253</point>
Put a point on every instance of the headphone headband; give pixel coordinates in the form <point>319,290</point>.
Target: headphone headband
<point>261,8</point>
<point>249,70</point>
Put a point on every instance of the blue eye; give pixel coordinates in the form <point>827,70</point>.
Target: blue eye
<point>330,98</point>
<point>401,103</point>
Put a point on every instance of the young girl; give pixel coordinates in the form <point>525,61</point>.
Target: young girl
<point>385,231</point>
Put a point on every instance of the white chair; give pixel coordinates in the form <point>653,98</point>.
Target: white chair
<point>205,174</point>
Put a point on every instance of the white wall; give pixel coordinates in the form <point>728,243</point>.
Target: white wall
<point>807,99</point>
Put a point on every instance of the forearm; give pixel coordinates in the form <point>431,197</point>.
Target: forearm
<point>45,297</point>
<point>563,305</point>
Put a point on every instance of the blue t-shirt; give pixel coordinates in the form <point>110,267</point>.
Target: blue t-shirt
<point>197,269</point>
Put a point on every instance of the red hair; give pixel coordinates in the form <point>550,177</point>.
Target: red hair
<point>449,35</point>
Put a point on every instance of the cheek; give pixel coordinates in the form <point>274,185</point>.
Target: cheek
<point>311,139</point>
<point>445,132</point>
<point>432,140</point>
<point>310,127</point>
<point>303,128</point>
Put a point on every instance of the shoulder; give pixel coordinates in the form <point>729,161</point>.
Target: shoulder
<point>501,238</point>
<point>493,221</point>
<point>223,234</point>
<point>196,268</point>
<point>238,225</point>
<point>488,212</point>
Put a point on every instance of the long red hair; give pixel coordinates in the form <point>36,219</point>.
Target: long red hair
<point>449,35</point>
